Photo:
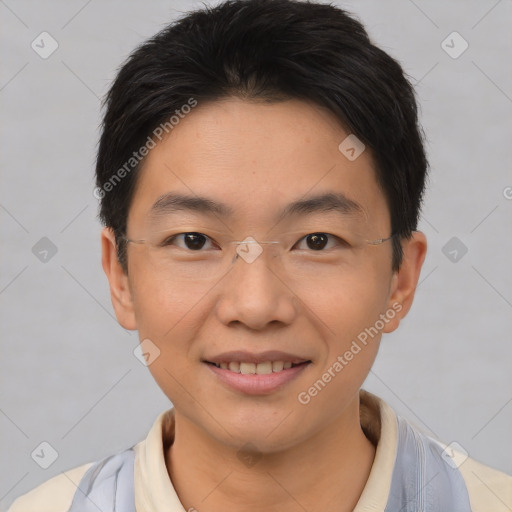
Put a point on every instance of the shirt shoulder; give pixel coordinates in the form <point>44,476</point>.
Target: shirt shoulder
<point>54,495</point>
<point>409,463</point>
<point>488,488</point>
<point>57,493</point>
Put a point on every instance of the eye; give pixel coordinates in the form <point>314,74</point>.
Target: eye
<point>191,240</point>
<point>319,241</point>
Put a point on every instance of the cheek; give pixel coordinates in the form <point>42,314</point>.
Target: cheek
<point>348,304</point>
<point>162,308</point>
<point>166,314</point>
<point>169,316</point>
<point>347,313</point>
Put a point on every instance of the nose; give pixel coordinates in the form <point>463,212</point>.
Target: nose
<point>255,293</point>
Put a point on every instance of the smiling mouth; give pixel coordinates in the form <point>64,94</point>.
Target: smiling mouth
<point>264,368</point>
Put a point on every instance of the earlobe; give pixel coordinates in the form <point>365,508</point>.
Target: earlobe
<point>120,292</point>
<point>405,281</point>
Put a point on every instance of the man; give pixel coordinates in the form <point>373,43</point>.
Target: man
<point>261,171</point>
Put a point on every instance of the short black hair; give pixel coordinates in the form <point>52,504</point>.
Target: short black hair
<point>269,50</point>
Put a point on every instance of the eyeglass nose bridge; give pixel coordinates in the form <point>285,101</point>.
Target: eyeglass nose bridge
<point>250,249</point>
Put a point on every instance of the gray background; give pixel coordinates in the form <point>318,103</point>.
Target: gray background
<point>68,373</point>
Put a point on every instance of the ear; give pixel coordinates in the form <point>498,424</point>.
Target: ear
<point>405,279</point>
<point>120,292</point>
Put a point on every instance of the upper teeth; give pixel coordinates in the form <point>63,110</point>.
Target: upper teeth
<point>252,368</point>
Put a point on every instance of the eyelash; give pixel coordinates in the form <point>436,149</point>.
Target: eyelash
<point>168,241</point>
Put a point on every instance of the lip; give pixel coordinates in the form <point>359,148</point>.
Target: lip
<point>242,356</point>
<point>257,384</point>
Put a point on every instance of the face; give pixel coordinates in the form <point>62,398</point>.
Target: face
<point>306,301</point>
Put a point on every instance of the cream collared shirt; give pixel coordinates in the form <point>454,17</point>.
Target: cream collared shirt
<point>489,490</point>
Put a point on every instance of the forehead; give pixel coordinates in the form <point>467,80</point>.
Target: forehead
<point>257,158</point>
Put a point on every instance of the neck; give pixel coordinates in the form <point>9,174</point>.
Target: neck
<point>326,472</point>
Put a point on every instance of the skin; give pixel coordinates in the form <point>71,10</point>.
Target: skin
<point>257,158</point>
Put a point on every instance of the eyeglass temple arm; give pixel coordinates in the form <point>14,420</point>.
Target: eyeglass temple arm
<point>370,242</point>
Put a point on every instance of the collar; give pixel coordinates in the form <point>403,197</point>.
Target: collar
<point>154,491</point>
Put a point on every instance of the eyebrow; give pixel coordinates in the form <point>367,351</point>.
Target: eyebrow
<point>322,203</point>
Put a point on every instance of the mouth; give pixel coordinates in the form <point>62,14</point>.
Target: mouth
<point>264,368</point>
<point>256,374</point>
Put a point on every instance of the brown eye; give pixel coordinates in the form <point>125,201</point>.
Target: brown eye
<point>192,241</point>
<point>319,241</point>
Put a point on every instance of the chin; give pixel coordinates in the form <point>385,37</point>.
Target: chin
<point>268,430</point>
